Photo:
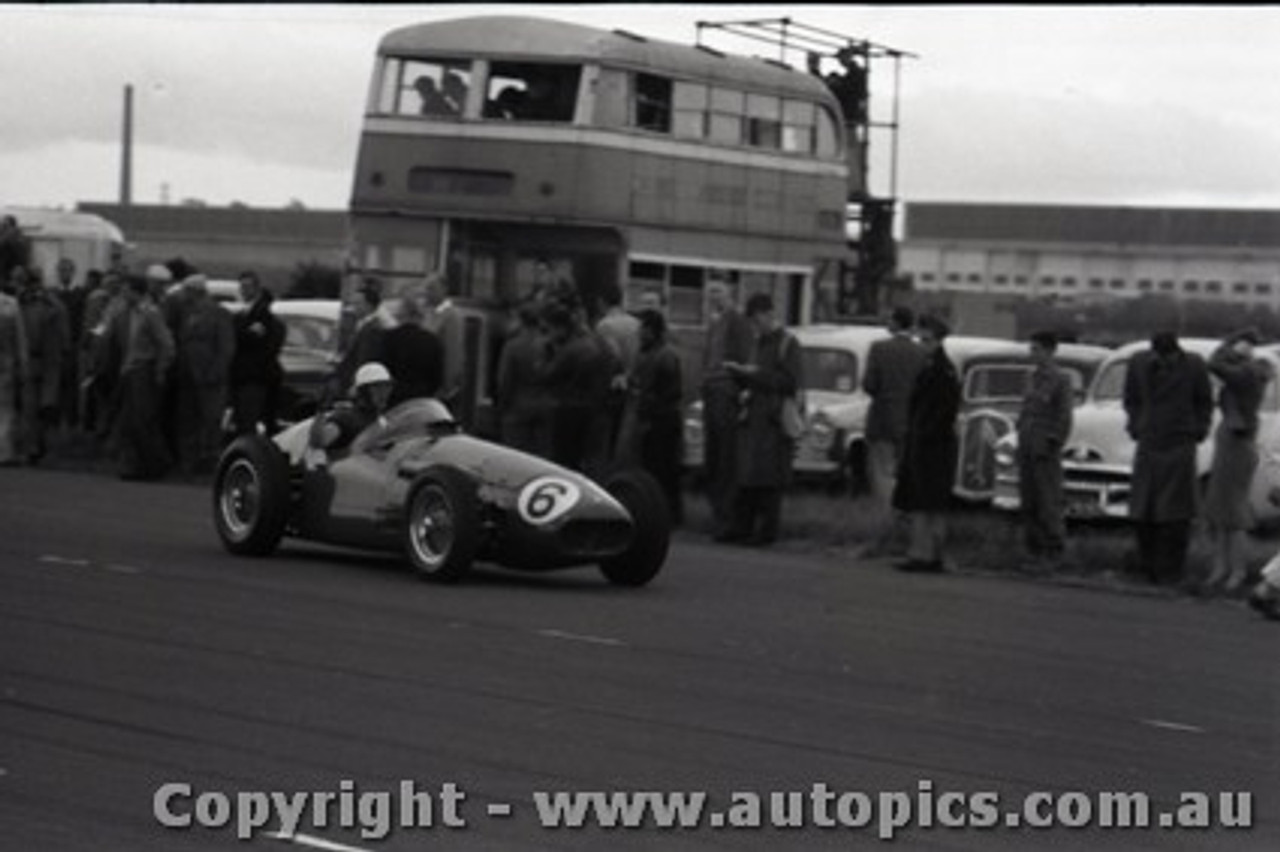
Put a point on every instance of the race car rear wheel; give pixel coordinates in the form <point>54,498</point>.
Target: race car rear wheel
<point>442,525</point>
<point>642,497</point>
<point>251,496</point>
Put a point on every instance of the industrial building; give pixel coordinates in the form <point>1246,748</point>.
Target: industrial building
<point>1083,253</point>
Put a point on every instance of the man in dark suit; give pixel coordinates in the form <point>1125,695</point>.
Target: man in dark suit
<point>1169,401</point>
<point>256,374</point>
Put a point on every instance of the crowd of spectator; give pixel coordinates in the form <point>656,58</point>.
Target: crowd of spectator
<point>146,365</point>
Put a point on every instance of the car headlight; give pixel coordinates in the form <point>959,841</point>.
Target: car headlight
<point>1005,454</point>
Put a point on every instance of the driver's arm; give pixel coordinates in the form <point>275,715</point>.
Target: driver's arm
<point>328,429</point>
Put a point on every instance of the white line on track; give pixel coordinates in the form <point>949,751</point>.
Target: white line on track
<point>122,569</point>
<point>315,842</point>
<point>50,559</point>
<point>581,637</point>
<point>1172,726</point>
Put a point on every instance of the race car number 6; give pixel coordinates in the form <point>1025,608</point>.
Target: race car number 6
<point>547,498</point>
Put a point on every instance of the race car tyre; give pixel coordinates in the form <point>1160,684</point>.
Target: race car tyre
<point>642,497</point>
<point>442,525</point>
<point>251,496</point>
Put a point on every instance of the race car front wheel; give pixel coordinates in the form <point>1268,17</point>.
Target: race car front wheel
<point>250,496</point>
<point>642,497</point>
<point>442,525</point>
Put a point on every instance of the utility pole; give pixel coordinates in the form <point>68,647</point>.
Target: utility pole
<point>126,152</point>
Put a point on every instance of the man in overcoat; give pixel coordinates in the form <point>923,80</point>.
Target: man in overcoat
<point>929,451</point>
<point>765,451</point>
<point>1169,402</point>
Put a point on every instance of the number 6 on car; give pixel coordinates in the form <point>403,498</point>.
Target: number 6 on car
<point>547,498</point>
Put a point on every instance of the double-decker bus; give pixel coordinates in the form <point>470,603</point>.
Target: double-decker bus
<point>494,149</point>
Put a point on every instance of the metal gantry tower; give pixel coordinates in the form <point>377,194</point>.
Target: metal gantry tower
<point>845,64</point>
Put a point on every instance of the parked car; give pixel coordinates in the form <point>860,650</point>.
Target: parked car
<point>1097,459</point>
<point>413,483</point>
<point>994,385</point>
<point>309,354</point>
<point>833,444</point>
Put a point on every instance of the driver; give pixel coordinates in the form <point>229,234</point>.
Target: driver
<point>370,393</point>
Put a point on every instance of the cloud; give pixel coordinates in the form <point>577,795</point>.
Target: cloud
<point>271,92</point>
<point>969,145</point>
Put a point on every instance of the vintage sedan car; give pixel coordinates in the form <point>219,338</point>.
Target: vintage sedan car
<point>1097,459</point>
<point>414,483</point>
<point>833,444</point>
<point>309,354</point>
<point>995,383</point>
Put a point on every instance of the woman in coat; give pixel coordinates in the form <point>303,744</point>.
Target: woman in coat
<point>929,451</point>
<point>1235,454</point>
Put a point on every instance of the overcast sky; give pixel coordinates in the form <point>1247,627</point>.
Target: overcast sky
<point>262,104</point>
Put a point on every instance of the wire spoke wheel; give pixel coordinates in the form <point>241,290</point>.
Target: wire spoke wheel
<point>441,526</point>
<point>432,526</point>
<point>241,498</point>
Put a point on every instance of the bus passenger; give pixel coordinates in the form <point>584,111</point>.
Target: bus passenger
<point>507,105</point>
<point>455,92</point>
<point>432,101</point>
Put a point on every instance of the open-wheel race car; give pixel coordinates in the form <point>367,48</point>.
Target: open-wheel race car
<point>413,482</point>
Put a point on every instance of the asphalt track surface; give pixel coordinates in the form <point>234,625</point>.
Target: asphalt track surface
<point>135,652</point>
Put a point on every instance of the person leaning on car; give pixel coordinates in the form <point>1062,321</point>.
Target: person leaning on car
<point>1044,423</point>
<point>1169,402</point>
<point>338,427</point>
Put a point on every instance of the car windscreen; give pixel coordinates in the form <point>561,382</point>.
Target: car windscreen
<point>1109,385</point>
<point>827,369</point>
<point>314,333</point>
<point>1008,381</point>
<point>990,382</point>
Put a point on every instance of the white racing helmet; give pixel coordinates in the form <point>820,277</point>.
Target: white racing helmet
<point>371,373</point>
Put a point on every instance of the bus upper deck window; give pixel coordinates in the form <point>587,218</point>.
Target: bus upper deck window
<point>532,91</point>
<point>429,87</point>
<point>827,138</point>
<point>689,101</point>
<point>653,103</point>
<point>797,126</point>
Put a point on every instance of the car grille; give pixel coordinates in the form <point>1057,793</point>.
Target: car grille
<point>977,451</point>
<point>594,537</point>
<point>1089,476</point>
